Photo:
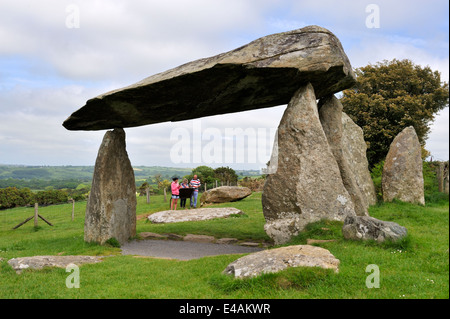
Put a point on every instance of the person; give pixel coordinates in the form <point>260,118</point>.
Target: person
<point>195,184</point>
<point>184,184</point>
<point>175,187</point>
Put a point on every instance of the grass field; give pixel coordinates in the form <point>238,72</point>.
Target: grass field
<point>417,267</point>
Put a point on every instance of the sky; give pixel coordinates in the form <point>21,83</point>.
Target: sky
<point>57,54</point>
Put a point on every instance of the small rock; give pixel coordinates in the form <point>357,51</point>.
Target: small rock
<point>39,262</point>
<point>369,228</point>
<point>275,260</point>
<point>226,241</point>
<point>199,238</point>
<point>149,235</point>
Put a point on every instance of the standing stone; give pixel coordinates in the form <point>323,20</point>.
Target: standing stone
<point>330,113</point>
<point>355,150</point>
<point>402,172</point>
<point>111,208</point>
<point>307,185</point>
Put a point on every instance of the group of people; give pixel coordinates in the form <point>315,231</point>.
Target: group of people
<point>194,184</point>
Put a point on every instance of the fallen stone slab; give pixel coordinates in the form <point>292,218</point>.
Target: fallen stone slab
<point>39,262</point>
<point>263,73</point>
<point>369,228</point>
<point>275,260</point>
<point>225,194</point>
<point>150,235</point>
<point>189,215</point>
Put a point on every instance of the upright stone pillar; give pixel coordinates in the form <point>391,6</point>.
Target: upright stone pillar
<point>307,185</point>
<point>330,113</point>
<point>403,169</point>
<point>111,208</point>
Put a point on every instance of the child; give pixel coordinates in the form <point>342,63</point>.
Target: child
<point>185,184</point>
<point>175,187</point>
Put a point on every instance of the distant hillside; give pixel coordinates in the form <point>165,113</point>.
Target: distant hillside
<point>84,173</point>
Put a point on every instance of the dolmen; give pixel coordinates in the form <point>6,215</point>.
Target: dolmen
<point>310,178</point>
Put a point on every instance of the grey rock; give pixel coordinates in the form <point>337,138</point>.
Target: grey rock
<point>111,207</point>
<point>278,259</point>
<point>307,185</point>
<point>39,262</point>
<point>369,228</point>
<point>199,238</point>
<point>176,216</point>
<point>263,73</point>
<point>402,172</point>
<point>225,194</point>
<point>355,151</point>
<point>330,113</point>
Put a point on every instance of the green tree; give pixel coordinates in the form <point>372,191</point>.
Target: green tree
<point>390,96</point>
<point>226,175</point>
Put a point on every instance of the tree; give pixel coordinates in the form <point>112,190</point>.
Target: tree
<point>226,175</point>
<point>390,96</point>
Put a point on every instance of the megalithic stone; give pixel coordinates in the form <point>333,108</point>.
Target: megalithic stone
<point>307,185</point>
<point>355,150</point>
<point>111,207</point>
<point>330,113</point>
<point>403,169</point>
<point>263,73</point>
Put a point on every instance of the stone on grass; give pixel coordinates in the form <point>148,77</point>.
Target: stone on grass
<point>307,185</point>
<point>189,215</point>
<point>369,228</point>
<point>355,150</point>
<point>111,207</point>
<point>225,194</point>
<point>39,262</point>
<point>278,259</point>
<point>402,172</point>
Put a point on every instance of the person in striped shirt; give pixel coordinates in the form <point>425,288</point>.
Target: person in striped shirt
<point>195,184</point>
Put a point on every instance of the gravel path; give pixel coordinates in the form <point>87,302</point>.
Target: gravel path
<point>183,250</point>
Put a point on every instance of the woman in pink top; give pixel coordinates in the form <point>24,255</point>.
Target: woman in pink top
<point>175,187</point>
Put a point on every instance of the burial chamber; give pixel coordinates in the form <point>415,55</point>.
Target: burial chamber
<point>266,72</point>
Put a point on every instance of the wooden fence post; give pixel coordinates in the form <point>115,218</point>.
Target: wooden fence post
<point>147,191</point>
<point>73,209</point>
<point>36,208</point>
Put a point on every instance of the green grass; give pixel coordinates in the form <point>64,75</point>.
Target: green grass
<point>417,267</point>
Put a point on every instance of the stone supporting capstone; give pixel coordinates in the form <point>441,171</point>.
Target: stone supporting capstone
<point>307,185</point>
<point>330,113</point>
<point>111,207</point>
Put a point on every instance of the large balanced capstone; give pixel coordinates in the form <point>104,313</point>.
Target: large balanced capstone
<point>264,73</point>
<point>111,208</point>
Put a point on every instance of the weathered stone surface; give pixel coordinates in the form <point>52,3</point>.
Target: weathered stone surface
<point>187,215</point>
<point>355,150</point>
<point>39,262</point>
<point>402,172</point>
<point>369,228</point>
<point>111,208</point>
<point>307,185</point>
<point>224,194</point>
<point>275,260</point>
<point>150,235</point>
<point>199,238</point>
<point>330,113</point>
<point>263,73</point>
